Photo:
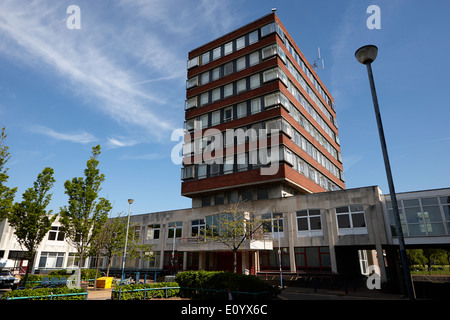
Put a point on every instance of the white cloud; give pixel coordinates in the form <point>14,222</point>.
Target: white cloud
<point>104,63</point>
<point>80,137</point>
<point>114,142</point>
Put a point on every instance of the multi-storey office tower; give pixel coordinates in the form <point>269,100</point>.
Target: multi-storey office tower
<point>259,121</point>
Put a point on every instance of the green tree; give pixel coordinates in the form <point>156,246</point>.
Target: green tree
<point>6,194</point>
<point>232,227</point>
<point>86,213</point>
<point>30,219</point>
<point>110,242</point>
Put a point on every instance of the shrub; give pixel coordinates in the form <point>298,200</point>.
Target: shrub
<point>136,292</point>
<point>44,294</point>
<point>215,285</point>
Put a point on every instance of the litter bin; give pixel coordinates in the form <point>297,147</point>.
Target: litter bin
<point>104,282</point>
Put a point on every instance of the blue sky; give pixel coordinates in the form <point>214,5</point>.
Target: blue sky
<point>119,81</point>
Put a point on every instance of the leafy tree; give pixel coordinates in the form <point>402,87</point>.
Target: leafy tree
<point>86,213</point>
<point>29,218</point>
<point>110,242</point>
<point>231,228</point>
<point>6,194</point>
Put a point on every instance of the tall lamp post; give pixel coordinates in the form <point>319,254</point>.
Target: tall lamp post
<point>278,217</point>
<point>130,201</point>
<point>366,55</point>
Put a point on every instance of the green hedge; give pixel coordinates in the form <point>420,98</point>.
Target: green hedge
<point>44,294</point>
<point>215,285</point>
<point>35,279</point>
<point>137,292</point>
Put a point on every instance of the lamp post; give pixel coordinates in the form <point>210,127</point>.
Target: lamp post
<point>173,248</point>
<point>366,55</point>
<point>278,217</point>
<point>130,201</point>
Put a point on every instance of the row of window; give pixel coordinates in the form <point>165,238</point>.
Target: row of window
<point>423,216</point>
<point>254,159</point>
<point>350,219</point>
<point>254,81</point>
<point>250,133</point>
<point>256,105</point>
<point>250,38</point>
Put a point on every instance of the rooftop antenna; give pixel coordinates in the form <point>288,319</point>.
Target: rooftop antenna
<point>315,64</point>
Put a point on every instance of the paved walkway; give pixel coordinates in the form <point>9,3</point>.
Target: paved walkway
<point>294,293</point>
<point>300,293</point>
<point>99,294</point>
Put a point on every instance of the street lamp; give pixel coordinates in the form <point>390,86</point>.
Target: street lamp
<point>130,201</point>
<point>173,248</point>
<point>366,55</point>
<point>278,217</point>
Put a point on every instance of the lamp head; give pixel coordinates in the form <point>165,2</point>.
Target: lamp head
<point>130,201</point>
<point>366,54</point>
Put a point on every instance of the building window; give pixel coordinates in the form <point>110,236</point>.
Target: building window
<point>255,106</point>
<point>201,171</point>
<point>241,110</point>
<point>198,227</point>
<point>205,77</point>
<point>192,62</point>
<point>241,85</point>
<point>269,260</point>
<point>273,224</point>
<point>153,231</point>
<point>55,234</point>
<point>51,260</point>
<point>254,58</point>
<point>217,53</point>
<point>215,118</point>
<point>263,193</point>
<point>240,43</point>
<point>228,68</point>
<point>253,37</point>
<point>228,48</point>
<point>215,94</point>
<point>228,114</point>
<point>309,222</point>
<point>204,98</point>
<point>174,226</point>
<point>192,82</point>
<point>228,90</point>
<point>242,161</point>
<point>228,164</point>
<point>215,73</point>
<point>268,29</point>
<point>351,220</point>
<point>312,258</point>
<point>240,64</point>
<point>219,199</point>
<point>205,58</point>
<point>255,81</point>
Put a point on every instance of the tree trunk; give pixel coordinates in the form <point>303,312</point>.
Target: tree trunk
<point>235,261</point>
<point>29,267</point>
<point>96,271</point>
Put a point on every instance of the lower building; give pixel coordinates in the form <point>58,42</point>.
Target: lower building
<point>341,233</point>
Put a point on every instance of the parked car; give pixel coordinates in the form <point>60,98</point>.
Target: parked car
<point>8,280</point>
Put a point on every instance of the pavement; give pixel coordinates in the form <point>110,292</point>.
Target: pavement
<point>300,293</point>
<point>294,293</point>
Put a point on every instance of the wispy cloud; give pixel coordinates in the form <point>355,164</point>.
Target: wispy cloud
<point>79,137</point>
<point>120,142</point>
<point>106,64</point>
